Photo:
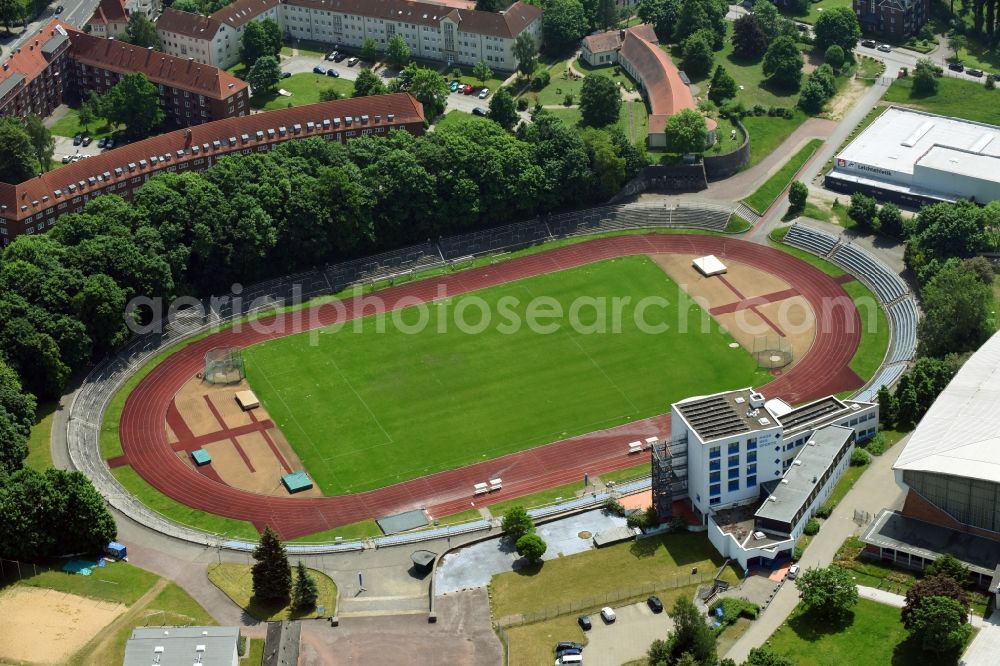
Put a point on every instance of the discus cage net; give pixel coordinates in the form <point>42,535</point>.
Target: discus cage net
<point>772,351</point>
<point>223,365</point>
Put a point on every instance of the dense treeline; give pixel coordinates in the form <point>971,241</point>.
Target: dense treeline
<point>62,294</point>
<point>956,292</point>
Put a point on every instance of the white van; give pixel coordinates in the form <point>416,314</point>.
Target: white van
<point>569,659</point>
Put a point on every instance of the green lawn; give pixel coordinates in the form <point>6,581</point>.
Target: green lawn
<point>564,492</point>
<point>767,133</point>
<point>636,129</point>
<point>236,583</point>
<point>816,10</point>
<point>627,474</point>
<point>353,405</point>
<point>466,76</point>
<point>874,327</point>
<point>182,513</point>
<point>773,187</point>
<point>69,125</point>
<point>955,97</point>
<point>349,532</point>
<point>39,442</point>
<point>563,82</point>
<point>305,89</point>
<point>255,655</point>
<point>873,636</point>
<point>307,48</point>
<point>661,560</point>
<point>118,582</point>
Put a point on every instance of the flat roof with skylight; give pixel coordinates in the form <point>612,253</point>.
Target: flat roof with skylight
<point>726,414</point>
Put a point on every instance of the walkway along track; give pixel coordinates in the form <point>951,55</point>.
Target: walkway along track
<point>824,370</point>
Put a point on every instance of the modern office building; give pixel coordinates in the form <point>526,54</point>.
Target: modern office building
<point>755,470</point>
<point>913,157</point>
<point>950,468</point>
<point>34,205</point>
<point>432,31</point>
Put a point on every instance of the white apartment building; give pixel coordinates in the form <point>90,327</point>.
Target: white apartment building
<point>433,32</point>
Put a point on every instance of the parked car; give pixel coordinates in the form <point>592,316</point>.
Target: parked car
<point>956,66</point>
<point>564,647</point>
<point>319,70</point>
<point>110,143</point>
<point>655,604</point>
<point>334,73</point>
<point>339,57</point>
<point>608,614</point>
<point>351,62</point>
<point>868,43</point>
<point>76,158</point>
<point>480,111</point>
<point>454,85</point>
<point>66,159</point>
<point>285,75</point>
<point>59,9</point>
<point>77,139</point>
<point>584,622</point>
<point>884,48</point>
<point>484,93</point>
<point>793,571</point>
<point>332,55</point>
<point>86,141</point>
<point>974,72</point>
<point>569,659</point>
<point>467,89</point>
<point>101,142</point>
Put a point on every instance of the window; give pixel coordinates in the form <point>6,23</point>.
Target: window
<point>752,469</point>
<point>714,465</point>
<point>714,477</point>
<point>751,481</point>
<point>734,461</point>
<point>734,473</point>
<point>714,500</point>
<point>734,485</point>
<point>752,457</point>
<point>752,444</point>
<point>714,489</point>
<point>734,447</point>
<point>714,452</point>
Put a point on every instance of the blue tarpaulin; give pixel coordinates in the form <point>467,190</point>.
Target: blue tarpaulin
<point>116,550</point>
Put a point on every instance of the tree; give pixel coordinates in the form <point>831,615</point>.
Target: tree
<point>397,51</point>
<point>526,53</point>
<point>41,140</point>
<point>368,83</point>
<point>141,31</point>
<point>813,97</point>
<point>890,220</point>
<point>691,635</point>
<point>516,523</point>
<point>85,114</point>
<point>948,565</point>
<point>925,80</point>
<point>13,445</point>
<point>723,86</point>
<point>329,95</point>
<point>797,195</point>
<point>20,161</point>
<point>698,56</point>
<point>956,43</point>
<point>272,575</point>
<point>958,311</point>
<point>189,6</point>
<point>840,26</point>
<point>369,50</point>
<point>662,14</point>
<point>686,133</point>
<point>491,5</point>
<point>264,74</point>
<point>605,14</point>
<point>606,165</point>
<point>482,72</point>
<point>768,18</point>
<point>531,547</point>
<point>11,11</point>
<point>258,40</point>
<point>829,592</point>
<point>940,624</point>
<point>135,103</point>
<point>783,63</point>
<point>834,56</point>
<point>305,593</point>
<point>600,100</point>
<point>763,656</point>
<point>563,24</point>
<point>99,304</point>
<point>698,15</point>
<point>429,87</point>
<point>502,109</point>
<point>749,40</point>
<point>863,210</point>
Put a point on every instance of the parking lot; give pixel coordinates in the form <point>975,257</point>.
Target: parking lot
<point>628,638</point>
<point>64,146</point>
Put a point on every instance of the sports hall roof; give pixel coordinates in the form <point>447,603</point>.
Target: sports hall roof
<point>960,434</point>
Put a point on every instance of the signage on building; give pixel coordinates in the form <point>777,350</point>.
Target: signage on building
<point>849,164</point>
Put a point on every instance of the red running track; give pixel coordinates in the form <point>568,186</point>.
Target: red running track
<point>823,371</point>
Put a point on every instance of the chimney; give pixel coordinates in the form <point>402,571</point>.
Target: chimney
<point>187,138</point>
<point>621,34</point>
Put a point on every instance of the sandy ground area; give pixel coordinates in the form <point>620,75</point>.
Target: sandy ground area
<point>257,469</point>
<point>637,501</point>
<point>792,316</point>
<point>47,627</point>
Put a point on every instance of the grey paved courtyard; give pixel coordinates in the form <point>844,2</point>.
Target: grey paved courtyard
<point>473,566</point>
<point>628,638</point>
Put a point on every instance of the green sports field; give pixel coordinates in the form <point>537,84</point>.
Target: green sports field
<point>367,409</point>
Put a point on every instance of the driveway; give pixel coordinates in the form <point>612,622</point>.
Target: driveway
<point>305,63</point>
<point>466,103</point>
<point>628,638</point>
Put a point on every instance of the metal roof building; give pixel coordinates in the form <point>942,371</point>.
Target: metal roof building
<point>183,646</point>
<point>915,157</point>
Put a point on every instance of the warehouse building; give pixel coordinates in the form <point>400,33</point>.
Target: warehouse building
<point>915,158</point>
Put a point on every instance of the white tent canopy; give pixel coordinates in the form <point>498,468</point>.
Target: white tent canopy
<point>709,265</point>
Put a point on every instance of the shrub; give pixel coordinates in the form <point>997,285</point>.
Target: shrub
<point>796,554</point>
<point>759,110</point>
<point>613,507</point>
<point>812,527</point>
<point>824,512</point>
<point>732,609</point>
<point>860,458</point>
<point>797,195</point>
<point>541,80</point>
<point>568,99</point>
<point>522,104</point>
<point>876,445</point>
<point>990,82</point>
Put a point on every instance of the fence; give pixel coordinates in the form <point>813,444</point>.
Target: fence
<point>86,412</point>
<point>601,600</point>
<point>13,570</point>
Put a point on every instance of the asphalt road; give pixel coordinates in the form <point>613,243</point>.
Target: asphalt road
<point>75,12</point>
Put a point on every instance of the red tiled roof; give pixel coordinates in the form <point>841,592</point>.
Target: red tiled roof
<point>665,90</point>
<point>603,41</point>
<point>509,24</point>
<point>242,11</point>
<point>29,60</point>
<point>186,23</point>
<point>158,67</point>
<point>110,11</point>
<point>39,193</point>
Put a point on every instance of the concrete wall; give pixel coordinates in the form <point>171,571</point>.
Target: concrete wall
<point>669,179</point>
<point>718,167</point>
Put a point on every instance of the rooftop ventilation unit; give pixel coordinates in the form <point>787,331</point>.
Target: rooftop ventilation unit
<point>764,421</point>
<point>740,400</point>
<point>756,400</point>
